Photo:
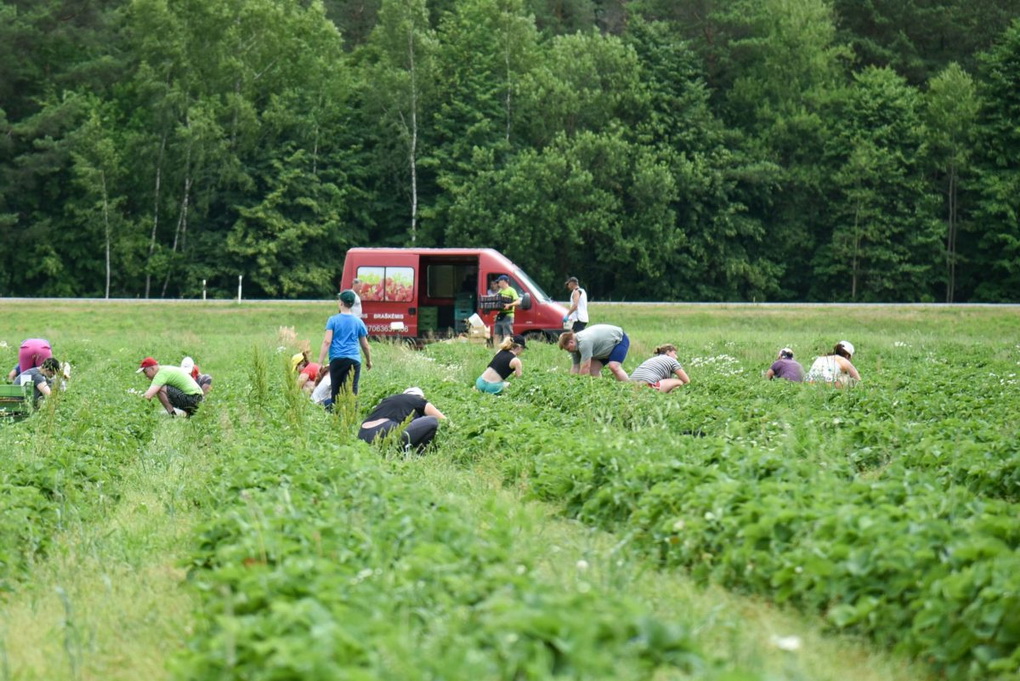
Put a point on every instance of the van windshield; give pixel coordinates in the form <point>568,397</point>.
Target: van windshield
<point>536,290</point>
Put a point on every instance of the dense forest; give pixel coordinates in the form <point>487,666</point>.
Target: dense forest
<point>769,150</point>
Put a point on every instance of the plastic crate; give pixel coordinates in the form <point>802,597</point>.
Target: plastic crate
<point>15,400</point>
<point>428,318</point>
<point>490,303</point>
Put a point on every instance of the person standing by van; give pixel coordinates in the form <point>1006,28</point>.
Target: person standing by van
<point>356,307</point>
<point>344,334</point>
<point>578,311</point>
<point>505,318</point>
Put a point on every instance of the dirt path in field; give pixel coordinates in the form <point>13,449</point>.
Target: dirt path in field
<point>107,604</point>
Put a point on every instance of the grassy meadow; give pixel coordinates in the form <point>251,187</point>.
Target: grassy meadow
<point>572,528</point>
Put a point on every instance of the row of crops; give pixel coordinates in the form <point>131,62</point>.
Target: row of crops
<point>889,510</point>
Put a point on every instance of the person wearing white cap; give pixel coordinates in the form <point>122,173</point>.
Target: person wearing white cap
<point>836,368</point>
<point>204,380</point>
<point>395,410</point>
<point>786,367</point>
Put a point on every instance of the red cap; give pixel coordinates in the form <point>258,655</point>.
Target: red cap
<point>146,363</point>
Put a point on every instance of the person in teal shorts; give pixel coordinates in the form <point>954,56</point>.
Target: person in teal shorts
<point>507,361</point>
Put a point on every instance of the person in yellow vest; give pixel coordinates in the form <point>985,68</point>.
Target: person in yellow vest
<point>505,318</point>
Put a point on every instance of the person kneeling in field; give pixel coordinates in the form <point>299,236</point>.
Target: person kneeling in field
<point>41,378</point>
<point>597,345</point>
<point>786,367</point>
<point>394,410</point>
<point>658,371</point>
<point>506,362</point>
<point>835,368</point>
<point>177,391</point>
<point>323,385</point>
<point>204,380</point>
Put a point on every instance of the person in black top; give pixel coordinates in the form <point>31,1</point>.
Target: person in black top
<point>506,362</point>
<point>394,411</point>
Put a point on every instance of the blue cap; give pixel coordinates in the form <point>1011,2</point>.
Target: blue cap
<point>502,277</point>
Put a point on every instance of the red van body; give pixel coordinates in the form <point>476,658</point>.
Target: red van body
<point>423,293</point>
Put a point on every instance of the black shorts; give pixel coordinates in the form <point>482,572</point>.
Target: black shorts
<point>182,400</point>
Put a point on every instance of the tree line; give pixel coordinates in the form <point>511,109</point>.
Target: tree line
<point>768,150</point>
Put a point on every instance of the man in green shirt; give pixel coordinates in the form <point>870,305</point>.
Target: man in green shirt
<point>505,319</point>
<point>177,391</point>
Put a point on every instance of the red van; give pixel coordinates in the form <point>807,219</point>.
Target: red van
<point>422,293</point>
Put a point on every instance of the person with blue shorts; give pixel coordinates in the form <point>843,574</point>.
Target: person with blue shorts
<point>597,346</point>
<point>507,361</point>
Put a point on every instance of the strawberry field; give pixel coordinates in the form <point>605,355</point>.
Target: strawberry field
<point>572,528</point>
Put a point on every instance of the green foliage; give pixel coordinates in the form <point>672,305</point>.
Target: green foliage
<point>158,134</point>
<point>997,219</point>
<point>885,238</point>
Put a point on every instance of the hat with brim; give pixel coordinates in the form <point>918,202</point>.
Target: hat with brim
<point>848,346</point>
<point>146,363</point>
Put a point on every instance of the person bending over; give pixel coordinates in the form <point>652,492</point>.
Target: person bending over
<point>596,346</point>
<point>394,410</point>
<point>786,367</point>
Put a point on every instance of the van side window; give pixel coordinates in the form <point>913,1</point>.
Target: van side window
<point>393,284</point>
<point>493,287</point>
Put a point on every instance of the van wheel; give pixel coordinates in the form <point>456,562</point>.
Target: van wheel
<point>534,336</point>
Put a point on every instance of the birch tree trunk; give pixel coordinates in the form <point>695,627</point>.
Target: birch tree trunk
<point>155,215</point>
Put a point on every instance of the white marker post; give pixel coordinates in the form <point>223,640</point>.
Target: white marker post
<point>239,278</point>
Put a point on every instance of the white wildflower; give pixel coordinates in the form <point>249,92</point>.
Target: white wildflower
<point>582,565</point>
<point>787,643</point>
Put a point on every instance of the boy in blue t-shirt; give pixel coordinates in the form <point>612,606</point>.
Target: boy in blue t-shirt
<point>345,334</point>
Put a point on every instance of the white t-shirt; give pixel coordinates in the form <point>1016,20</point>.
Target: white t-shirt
<point>356,308</point>
<point>321,392</point>
<point>826,369</point>
<point>581,313</point>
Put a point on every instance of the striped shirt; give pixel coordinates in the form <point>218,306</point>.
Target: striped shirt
<point>655,369</point>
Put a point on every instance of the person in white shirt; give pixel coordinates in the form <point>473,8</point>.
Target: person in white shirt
<point>578,312</point>
<point>356,308</point>
<point>836,368</point>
